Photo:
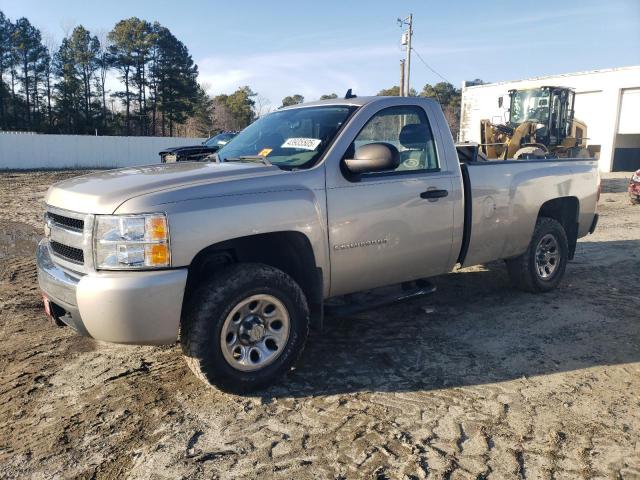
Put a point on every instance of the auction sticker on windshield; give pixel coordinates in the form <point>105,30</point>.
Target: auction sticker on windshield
<point>301,143</point>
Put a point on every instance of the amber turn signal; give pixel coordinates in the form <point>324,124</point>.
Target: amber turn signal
<point>156,228</point>
<point>157,255</point>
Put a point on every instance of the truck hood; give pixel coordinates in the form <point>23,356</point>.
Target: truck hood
<point>103,192</point>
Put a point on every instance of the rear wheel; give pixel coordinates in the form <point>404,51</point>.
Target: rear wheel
<point>542,266</point>
<point>245,328</point>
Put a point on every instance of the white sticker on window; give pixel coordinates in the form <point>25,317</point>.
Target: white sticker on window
<point>302,143</point>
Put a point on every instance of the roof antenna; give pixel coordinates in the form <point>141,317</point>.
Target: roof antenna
<point>349,95</point>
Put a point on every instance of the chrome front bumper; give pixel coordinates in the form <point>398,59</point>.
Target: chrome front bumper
<point>60,287</point>
<point>121,307</point>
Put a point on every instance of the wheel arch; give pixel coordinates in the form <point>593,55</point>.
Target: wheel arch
<point>566,211</point>
<point>289,251</point>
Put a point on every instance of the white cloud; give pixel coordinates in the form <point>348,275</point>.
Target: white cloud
<point>309,73</point>
<point>312,73</point>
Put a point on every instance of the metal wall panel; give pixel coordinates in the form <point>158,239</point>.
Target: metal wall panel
<point>34,151</point>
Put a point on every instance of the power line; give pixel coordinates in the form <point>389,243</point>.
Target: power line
<point>428,66</point>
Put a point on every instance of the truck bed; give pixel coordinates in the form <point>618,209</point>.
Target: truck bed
<point>504,198</point>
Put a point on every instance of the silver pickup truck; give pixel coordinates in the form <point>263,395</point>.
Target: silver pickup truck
<point>305,207</point>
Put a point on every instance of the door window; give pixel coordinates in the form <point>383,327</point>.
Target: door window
<point>408,130</point>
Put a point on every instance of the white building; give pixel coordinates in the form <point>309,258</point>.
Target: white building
<point>608,101</point>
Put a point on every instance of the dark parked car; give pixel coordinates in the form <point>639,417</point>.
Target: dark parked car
<point>195,153</point>
<point>634,188</point>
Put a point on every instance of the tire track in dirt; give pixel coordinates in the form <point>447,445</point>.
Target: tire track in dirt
<point>492,383</point>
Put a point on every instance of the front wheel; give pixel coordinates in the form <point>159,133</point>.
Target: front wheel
<point>530,152</point>
<point>245,327</point>
<point>542,266</point>
<point>580,152</point>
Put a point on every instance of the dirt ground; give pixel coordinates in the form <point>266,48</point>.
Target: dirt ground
<point>479,381</point>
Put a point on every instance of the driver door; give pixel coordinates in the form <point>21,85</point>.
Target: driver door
<point>393,226</point>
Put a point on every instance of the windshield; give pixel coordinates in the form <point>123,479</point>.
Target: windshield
<point>219,140</point>
<point>293,138</point>
<point>530,105</point>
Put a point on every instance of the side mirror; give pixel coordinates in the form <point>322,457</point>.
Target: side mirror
<point>374,157</point>
<point>500,101</point>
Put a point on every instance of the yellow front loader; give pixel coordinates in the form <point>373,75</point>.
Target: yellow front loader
<point>541,125</point>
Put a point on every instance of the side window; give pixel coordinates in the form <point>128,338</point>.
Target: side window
<point>407,129</point>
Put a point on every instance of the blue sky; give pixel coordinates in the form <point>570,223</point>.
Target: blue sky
<point>286,47</point>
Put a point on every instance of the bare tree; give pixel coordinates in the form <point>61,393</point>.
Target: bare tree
<point>67,25</point>
<point>103,69</point>
<point>263,106</point>
<point>51,46</point>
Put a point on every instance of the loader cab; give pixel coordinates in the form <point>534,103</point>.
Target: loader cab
<point>549,108</point>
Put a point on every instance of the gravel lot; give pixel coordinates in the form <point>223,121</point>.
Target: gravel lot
<point>479,381</point>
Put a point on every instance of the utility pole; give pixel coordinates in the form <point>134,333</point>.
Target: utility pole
<point>402,78</point>
<point>408,87</point>
<point>406,41</point>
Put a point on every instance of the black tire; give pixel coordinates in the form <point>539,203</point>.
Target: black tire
<point>209,306</point>
<point>580,152</point>
<point>523,270</point>
<point>528,152</point>
<point>634,200</point>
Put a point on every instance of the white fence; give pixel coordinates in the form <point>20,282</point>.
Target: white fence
<point>27,150</point>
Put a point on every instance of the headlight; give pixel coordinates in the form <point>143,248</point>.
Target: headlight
<point>124,242</point>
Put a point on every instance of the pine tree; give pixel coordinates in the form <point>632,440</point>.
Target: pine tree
<point>200,122</point>
<point>121,51</point>
<point>5,59</point>
<point>68,88</point>
<point>103,62</point>
<point>174,78</point>
<point>85,49</point>
<point>39,86</point>
<point>292,100</point>
<point>235,111</point>
<point>26,40</point>
<point>63,89</point>
<point>47,72</point>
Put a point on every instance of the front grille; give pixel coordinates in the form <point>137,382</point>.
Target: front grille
<point>69,222</point>
<point>71,254</point>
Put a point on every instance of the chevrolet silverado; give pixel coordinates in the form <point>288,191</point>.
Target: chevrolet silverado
<point>310,204</point>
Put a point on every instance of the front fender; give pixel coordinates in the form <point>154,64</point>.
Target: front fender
<point>198,223</point>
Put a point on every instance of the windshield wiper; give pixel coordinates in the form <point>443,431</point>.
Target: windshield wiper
<point>249,159</point>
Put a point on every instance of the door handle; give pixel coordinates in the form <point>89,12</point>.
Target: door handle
<point>434,194</point>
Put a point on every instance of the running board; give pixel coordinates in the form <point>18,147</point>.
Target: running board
<point>422,289</point>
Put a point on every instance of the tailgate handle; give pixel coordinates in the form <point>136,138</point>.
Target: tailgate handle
<point>434,194</point>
